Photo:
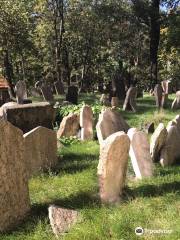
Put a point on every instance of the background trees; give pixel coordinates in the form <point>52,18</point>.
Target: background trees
<point>89,40</point>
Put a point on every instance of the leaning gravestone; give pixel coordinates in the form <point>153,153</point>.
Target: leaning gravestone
<point>158,93</point>
<point>72,95</point>
<point>176,102</point>
<point>40,150</point>
<point>110,121</point>
<point>171,149</point>
<point>14,194</point>
<point>29,116</point>
<point>158,140</point>
<point>21,92</point>
<point>130,100</point>
<point>86,123</point>
<point>104,100</point>
<point>69,126</point>
<point>59,87</point>
<point>47,93</point>
<point>112,167</point>
<point>140,153</point>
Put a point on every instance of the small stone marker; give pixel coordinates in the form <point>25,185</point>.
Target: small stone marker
<point>176,102</point>
<point>140,153</point>
<point>47,93</point>
<point>14,193</point>
<point>59,87</point>
<point>62,219</point>
<point>112,167</point>
<point>21,92</point>
<point>86,123</point>
<point>158,140</point>
<point>72,95</point>
<point>69,126</point>
<point>171,149</point>
<point>158,93</point>
<point>110,121</point>
<point>130,100</point>
<point>40,150</point>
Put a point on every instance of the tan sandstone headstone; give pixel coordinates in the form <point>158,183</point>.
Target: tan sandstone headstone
<point>110,121</point>
<point>171,150</point>
<point>140,154</point>
<point>176,102</point>
<point>112,167</point>
<point>86,123</point>
<point>40,150</point>
<point>14,193</point>
<point>69,126</point>
<point>158,140</point>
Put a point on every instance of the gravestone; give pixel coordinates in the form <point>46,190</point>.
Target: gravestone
<point>47,93</point>
<point>69,126</point>
<point>112,167</point>
<point>130,100</point>
<point>176,102</point>
<point>40,150</point>
<point>158,93</point>
<point>86,123</point>
<point>171,150</point>
<point>21,92</point>
<point>34,92</point>
<point>140,154</point>
<point>38,84</point>
<point>158,140</point>
<point>14,193</point>
<point>115,102</point>
<point>149,127</point>
<point>29,116</point>
<point>62,219</point>
<point>110,121</point>
<point>104,100</point>
<point>72,95</point>
<point>59,87</point>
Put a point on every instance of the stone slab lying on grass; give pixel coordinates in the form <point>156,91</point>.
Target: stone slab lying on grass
<point>40,150</point>
<point>112,167</point>
<point>171,150</point>
<point>158,140</point>
<point>29,116</point>
<point>69,126</point>
<point>14,193</point>
<point>61,219</point>
<point>86,123</point>
<point>110,121</point>
<point>140,154</point>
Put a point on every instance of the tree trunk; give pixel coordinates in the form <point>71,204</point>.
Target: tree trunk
<point>154,41</point>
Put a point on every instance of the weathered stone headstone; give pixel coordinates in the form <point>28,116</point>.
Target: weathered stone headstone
<point>86,123</point>
<point>149,127</point>
<point>38,84</point>
<point>110,122</point>
<point>72,95</point>
<point>171,150</point>
<point>14,193</point>
<point>34,92</point>
<point>21,92</point>
<point>59,87</point>
<point>29,116</point>
<point>112,167</point>
<point>47,93</point>
<point>115,102</point>
<point>158,140</point>
<point>62,219</point>
<point>69,126</point>
<point>176,102</point>
<point>130,100</point>
<point>104,100</point>
<point>40,150</point>
<point>158,93</point>
<point>140,154</point>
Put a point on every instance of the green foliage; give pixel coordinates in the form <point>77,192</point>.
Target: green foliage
<point>66,141</point>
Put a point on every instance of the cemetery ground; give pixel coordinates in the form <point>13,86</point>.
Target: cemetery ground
<point>153,204</point>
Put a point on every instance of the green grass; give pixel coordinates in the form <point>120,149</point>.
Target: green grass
<point>152,203</point>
